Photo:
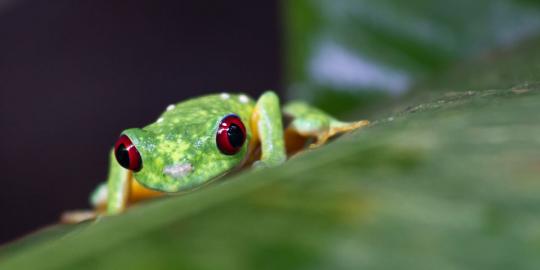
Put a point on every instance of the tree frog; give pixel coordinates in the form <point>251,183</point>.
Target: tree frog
<point>196,141</point>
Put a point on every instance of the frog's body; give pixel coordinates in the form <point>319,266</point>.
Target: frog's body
<point>194,142</point>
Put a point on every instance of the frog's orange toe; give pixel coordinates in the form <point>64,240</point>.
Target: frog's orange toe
<point>77,216</point>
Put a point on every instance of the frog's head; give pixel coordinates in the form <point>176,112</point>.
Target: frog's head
<point>173,157</point>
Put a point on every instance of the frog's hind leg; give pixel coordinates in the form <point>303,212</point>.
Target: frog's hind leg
<point>309,122</point>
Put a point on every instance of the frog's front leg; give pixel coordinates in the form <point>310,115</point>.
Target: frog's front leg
<point>118,186</point>
<point>309,121</point>
<point>268,129</point>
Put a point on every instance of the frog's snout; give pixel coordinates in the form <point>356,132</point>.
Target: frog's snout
<point>127,154</point>
<point>178,170</point>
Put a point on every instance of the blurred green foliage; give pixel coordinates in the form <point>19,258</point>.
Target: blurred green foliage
<point>366,51</point>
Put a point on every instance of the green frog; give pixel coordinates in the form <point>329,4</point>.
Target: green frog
<point>199,140</point>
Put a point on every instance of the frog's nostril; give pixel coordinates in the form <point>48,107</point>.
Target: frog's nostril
<point>127,154</point>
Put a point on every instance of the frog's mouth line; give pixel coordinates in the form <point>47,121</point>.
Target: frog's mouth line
<point>178,170</point>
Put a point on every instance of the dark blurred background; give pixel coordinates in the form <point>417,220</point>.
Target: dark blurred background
<point>73,74</point>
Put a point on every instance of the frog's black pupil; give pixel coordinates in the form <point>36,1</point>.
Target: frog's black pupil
<point>122,156</point>
<point>235,135</point>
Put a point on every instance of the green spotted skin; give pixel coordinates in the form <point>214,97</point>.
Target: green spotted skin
<point>185,135</point>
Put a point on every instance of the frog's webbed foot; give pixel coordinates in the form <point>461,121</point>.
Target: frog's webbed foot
<point>257,165</point>
<point>337,128</point>
<point>321,140</point>
<point>260,164</point>
<point>344,127</point>
<point>78,216</point>
<point>310,122</point>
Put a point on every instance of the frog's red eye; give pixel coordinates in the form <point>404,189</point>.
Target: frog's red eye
<point>127,155</point>
<point>231,135</point>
